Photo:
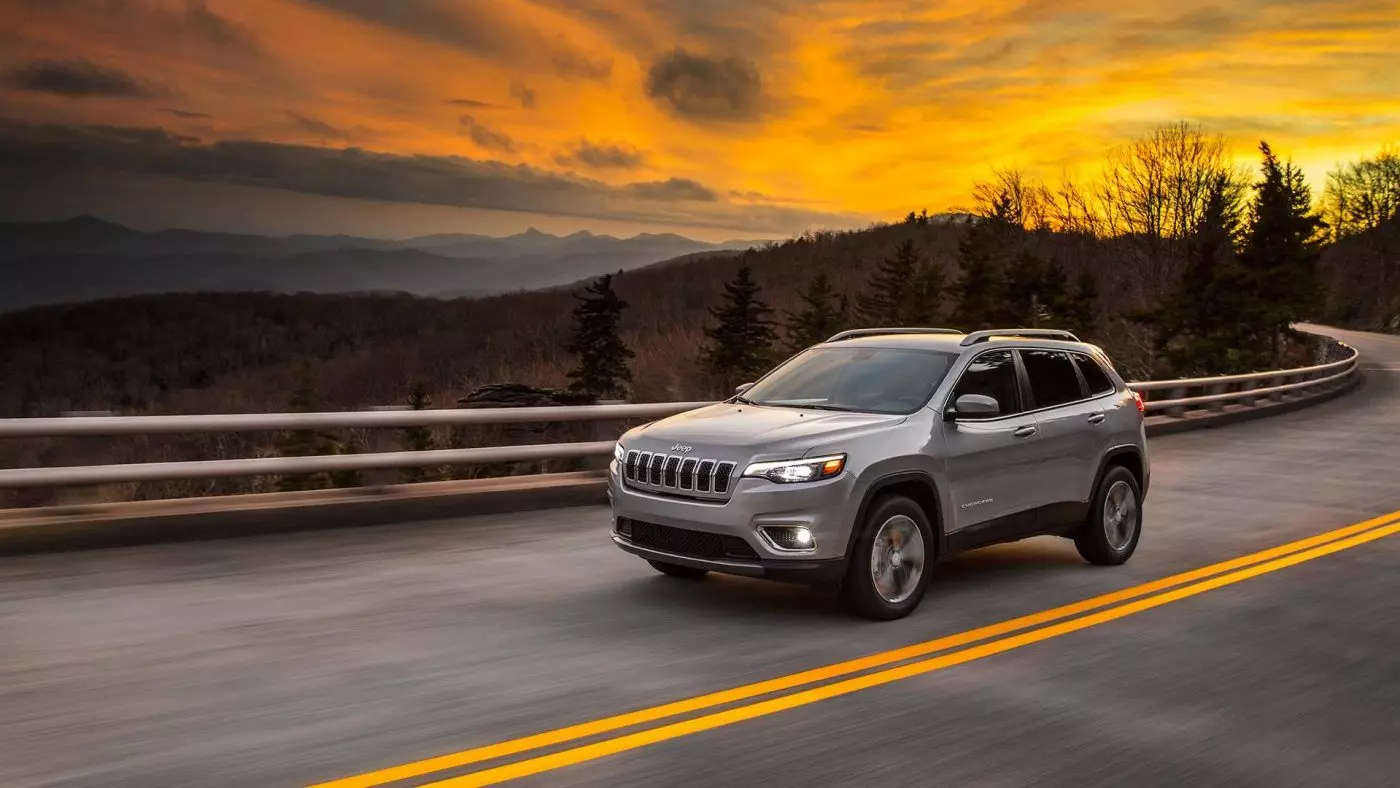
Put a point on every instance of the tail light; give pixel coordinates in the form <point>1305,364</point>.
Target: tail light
<point>1142,406</point>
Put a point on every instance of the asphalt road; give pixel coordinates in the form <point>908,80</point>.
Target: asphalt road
<point>300,659</point>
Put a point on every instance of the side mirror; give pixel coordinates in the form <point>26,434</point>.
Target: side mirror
<point>741,388</point>
<point>973,406</point>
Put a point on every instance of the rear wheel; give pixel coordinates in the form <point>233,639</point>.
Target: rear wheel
<point>1111,533</point>
<point>676,570</point>
<point>889,567</point>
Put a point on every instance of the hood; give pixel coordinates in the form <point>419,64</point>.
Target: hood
<point>712,429</point>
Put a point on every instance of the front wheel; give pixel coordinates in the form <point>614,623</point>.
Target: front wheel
<point>676,570</point>
<point>889,567</point>
<point>1111,533</point>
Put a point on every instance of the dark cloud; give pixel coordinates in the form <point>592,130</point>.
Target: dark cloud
<point>181,113</point>
<point>704,88</point>
<point>198,21</point>
<point>31,153</point>
<point>672,189</point>
<point>192,23</point>
<point>574,65</point>
<point>318,127</point>
<point>75,79</point>
<point>466,102</point>
<point>523,94</point>
<point>602,156</point>
<point>485,136</point>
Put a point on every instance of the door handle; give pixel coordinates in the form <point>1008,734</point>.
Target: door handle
<point>1024,432</point>
<point>1096,418</point>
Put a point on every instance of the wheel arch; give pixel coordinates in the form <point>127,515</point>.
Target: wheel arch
<point>1128,456</point>
<point>916,485</point>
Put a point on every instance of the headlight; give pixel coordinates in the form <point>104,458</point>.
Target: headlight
<point>619,453</point>
<point>805,470</point>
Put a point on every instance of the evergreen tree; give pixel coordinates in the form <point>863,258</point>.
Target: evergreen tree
<point>306,442</point>
<point>1080,313</point>
<point>1281,249</point>
<point>823,313</point>
<point>742,340</point>
<point>1201,328</point>
<point>1034,293</point>
<point>603,371</point>
<point>978,290</point>
<point>921,301</point>
<point>345,478</point>
<point>885,302</point>
<point>418,438</point>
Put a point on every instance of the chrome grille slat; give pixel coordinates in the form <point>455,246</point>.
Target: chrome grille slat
<point>630,467</point>
<point>703,473</point>
<point>687,480</point>
<point>654,475</point>
<point>723,473</point>
<point>668,474</point>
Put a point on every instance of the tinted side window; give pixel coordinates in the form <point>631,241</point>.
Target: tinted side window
<point>1098,380</point>
<point>992,374</point>
<point>1053,379</point>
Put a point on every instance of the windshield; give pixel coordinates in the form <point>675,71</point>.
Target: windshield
<point>864,379</point>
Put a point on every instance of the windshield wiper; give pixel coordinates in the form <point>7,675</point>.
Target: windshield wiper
<point>742,401</point>
<point>802,407</point>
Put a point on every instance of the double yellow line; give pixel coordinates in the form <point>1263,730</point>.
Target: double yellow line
<point>1004,636</point>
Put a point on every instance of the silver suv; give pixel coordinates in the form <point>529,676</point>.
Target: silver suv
<point>861,460</point>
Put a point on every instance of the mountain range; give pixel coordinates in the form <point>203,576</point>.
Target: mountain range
<point>86,258</point>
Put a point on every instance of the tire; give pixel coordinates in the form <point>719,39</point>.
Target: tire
<point>676,570</point>
<point>891,519</point>
<point>1117,504</point>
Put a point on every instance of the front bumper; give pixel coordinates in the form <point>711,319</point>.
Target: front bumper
<point>826,508</point>
<point>785,570</point>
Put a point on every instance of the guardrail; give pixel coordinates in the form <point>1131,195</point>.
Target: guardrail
<point>1217,392</point>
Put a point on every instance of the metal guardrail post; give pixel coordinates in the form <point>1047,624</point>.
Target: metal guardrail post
<point>1218,388</point>
<point>1178,411</point>
<point>1248,385</point>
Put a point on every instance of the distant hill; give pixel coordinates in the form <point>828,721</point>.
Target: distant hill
<point>86,258</point>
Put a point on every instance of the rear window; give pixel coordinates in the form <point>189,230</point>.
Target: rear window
<point>1094,376</point>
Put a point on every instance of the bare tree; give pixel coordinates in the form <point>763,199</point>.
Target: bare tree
<point>1361,195</point>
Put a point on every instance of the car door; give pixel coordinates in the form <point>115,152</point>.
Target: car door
<point>991,460</point>
<point>1071,425</point>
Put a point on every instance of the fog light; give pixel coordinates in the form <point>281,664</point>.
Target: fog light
<point>789,538</point>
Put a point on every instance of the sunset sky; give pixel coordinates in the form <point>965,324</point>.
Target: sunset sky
<point>714,118</point>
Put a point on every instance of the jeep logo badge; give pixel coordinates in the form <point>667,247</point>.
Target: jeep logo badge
<point>682,449</point>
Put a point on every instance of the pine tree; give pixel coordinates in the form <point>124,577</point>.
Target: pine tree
<point>978,289</point>
<point>345,478</point>
<point>923,297</point>
<point>1282,246</point>
<point>884,304</point>
<point>1080,313</point>
<point>1035,293</point>
<point>418,438</point>
<point>742,340</point>
<point>823,313</point>
<point>603,371</point>
<point>1199,329</point>
<point>306,442</point>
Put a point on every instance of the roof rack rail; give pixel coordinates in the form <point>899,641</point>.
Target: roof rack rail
<point>875,332</point>
<point>1043,333</point>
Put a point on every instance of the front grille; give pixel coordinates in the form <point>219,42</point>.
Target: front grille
<point>676,472</point>
<point>683,541</point>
